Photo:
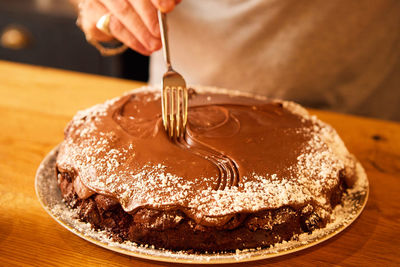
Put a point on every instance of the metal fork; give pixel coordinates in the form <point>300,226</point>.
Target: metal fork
<point>174,95</point>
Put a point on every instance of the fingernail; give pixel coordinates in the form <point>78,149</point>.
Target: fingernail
<point>155,44</point>
<point>166,5</point>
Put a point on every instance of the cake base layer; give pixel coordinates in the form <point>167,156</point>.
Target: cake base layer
<point>172,229</point>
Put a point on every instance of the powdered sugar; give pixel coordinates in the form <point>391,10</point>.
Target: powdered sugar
<point>104,168</point>
<point>342,216</point>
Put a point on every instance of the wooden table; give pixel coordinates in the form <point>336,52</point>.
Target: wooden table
<point>35,105</point>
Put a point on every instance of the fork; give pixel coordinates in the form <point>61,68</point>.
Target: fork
<point>174,95</point>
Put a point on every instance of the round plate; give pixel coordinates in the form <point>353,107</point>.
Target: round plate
<point>49,195</point>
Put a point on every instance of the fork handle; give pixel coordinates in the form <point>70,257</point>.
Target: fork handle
<point>162,20</point>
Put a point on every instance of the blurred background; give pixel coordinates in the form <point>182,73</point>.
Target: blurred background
<point>43,32</point>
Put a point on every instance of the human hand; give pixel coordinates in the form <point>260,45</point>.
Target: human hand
<point>132,22</point>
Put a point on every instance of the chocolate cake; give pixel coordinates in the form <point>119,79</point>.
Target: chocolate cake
<point>249,172</point>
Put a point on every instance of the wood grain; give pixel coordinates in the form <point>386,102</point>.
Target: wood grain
<point>35,105</point>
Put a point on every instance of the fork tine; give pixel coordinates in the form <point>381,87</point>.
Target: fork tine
<point>172,111</point>
<point>178,111</point>
<point>164,107</point>
<point>184,106</point>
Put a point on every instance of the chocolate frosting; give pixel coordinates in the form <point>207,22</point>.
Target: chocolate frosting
<point>240,154</point>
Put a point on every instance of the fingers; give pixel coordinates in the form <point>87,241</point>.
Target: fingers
<point>148,14</point>
<point>165,5</point>
<point>133,22</point>
<point>121,33</point>
<point>91,11</point>
<point>127,19</point>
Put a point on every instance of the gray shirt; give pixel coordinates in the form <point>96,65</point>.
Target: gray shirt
<point>339,55</point>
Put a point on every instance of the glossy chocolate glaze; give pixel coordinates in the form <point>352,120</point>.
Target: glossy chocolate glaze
<point>239,155</point>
